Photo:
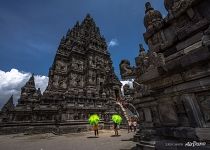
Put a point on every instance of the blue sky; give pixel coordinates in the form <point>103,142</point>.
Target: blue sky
<point>30,30</point>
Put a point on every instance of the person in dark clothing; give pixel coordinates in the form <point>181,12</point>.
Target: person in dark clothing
<point>129,125</point>
<point>95,128</point>
<point>116,128</point>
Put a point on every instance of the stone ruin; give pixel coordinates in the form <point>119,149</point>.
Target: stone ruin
<point>172,78</point>
<point>81,82</point>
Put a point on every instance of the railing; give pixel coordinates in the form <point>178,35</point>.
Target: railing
<point>136,112</point>
<point>125,110</point>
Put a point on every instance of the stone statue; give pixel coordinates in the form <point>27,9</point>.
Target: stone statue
<point>91,77</point>
<point>80,64</point>
<point>61,66</point>
<point>62,83</point>
<point>153,19</point>
<point>157,60</point>
<point>142,61</point>
<point>73,80</point>
<point>126,70</point>
<point>91,61</point>
<point>142,50</point>
<point>55,81</point>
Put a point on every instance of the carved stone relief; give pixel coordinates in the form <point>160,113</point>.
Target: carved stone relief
<point>168,116</point>
<point>91,77</point>
<point>61,66</point>
<point>77,64</point>
<point>56,81</point>
<point>73,80</point>
<point>91,61</point>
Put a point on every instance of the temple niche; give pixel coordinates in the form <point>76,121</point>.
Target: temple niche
<point>171,78</point>
<point>81,82</point>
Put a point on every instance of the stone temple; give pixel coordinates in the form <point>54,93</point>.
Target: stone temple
<point>172,78</point>
<point>171,94</point>
<point>81,82</point>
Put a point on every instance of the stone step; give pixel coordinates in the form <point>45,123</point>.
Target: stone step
<point>146,145</point>
<point>203,133</point>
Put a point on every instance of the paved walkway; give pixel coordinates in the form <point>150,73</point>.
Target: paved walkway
<point>76,141</point>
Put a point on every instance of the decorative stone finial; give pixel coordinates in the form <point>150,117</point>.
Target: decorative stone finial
<point>63,40</point>
<point>88,16</point>
<point>141,48</point>
<point>148,7</point>
<point>77,24</point>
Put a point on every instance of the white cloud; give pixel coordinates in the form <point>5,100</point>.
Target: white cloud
<point>113,42</point>
<point>12,81</point>
<point>41,82</point>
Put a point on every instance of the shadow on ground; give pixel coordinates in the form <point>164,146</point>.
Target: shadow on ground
<point>115,135</point>
<point>90,137</point>
<point>131,139</point>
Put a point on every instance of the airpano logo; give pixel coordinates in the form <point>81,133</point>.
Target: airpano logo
<point>195,144</point>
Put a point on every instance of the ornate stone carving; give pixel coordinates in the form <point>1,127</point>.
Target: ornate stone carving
<point>141,89</point>
<point>142,61</point>
<point>147,61</point>
<point>153,19</point>
<point>62,83</point>
<point>61,66</point>
<point>126,70</point>
<point>157,60</point>
<point>73,80</point>
<point>91,61</point>
<point>175,7</point>
<point>77,64</point>
<point>91,77</point>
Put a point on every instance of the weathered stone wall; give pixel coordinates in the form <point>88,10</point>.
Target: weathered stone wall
<point>173,77</point>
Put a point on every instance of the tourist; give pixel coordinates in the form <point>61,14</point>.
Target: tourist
<point>129,125</point>
<point>95,128</point>
<point>116,127</point>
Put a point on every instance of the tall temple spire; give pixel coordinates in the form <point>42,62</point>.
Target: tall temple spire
<point>28,90</point>
<point>89,24</point>
<point>9,105</point>
<point>30,82</point>
<point>81,80</point>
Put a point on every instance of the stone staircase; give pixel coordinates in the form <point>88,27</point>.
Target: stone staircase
<point>126,112</point>
<point>123,109</point>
